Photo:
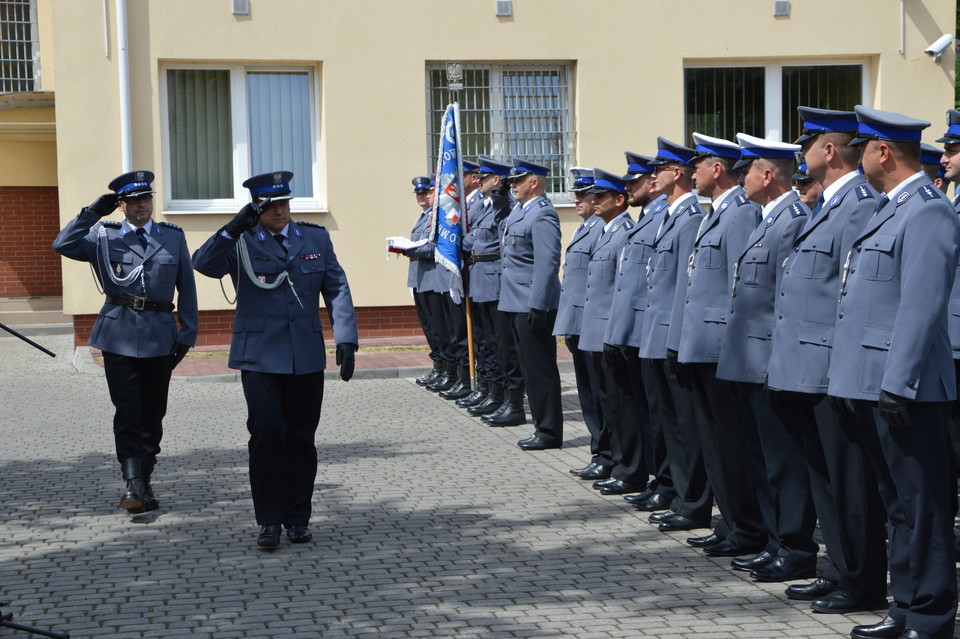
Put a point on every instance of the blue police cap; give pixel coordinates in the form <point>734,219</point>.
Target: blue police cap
<point>605,181</point>
<point>752,147</point>
<point>422,184</point>
<point>874,124</point>
<point>801,174</point>
<point>582,179</point>
<point>132,184</point>
<point>706,146</point>
<point>817,121</point>
<point>522,168</point>
<point>930,154</point>
<point>470,167</point>
<point>672,153</point>
<point>952,136</point>
<point>490,166</point>
<point>638,165</point>
<point>270,186</point>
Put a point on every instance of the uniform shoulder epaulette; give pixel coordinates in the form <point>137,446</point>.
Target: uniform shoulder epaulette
<point>627,225</point>
<point>928,193</point>
<point>696,210</point>
<point>112,225</point>
<point>796,210</point>
<point>658,208</point>
<point>171,226</point>
<point>319,226</point>
<point>544,202</point>
<point>741,199</point>
<point>863,192</point>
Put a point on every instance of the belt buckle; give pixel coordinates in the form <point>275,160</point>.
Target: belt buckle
<point>138,303</point>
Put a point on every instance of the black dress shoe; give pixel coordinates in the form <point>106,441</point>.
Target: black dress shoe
<point>679,522</point>
<point>620,487</point>
<point>599,471</point>
<point>730,548</point>
<point>886,629</point>
<point>597,485</point>
<point>656,518</point>
<point>538,442</point>
<point>636,498</point>
<point>816,589</point>
<point>578,472</point>
<point>841,602</point>
<point>703,542</point>
<point>269,536</point>
<point>656,501</point>
<point>752,563</point>
<point>781,569</point>
<point>299,534</point>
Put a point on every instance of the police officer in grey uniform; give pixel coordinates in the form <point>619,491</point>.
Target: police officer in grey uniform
<point>808,188</point>
<point>138,263</point>
<point>721,238</point>
<point>280,269</point>
<point>481,255</point>
<point>420,270</point>
<point>892,358</point>
<point>530,292</point>
<point>791,552</point>
<point>573,288</point>
<point>611,209</point>
<point>842,484</point>
<point>666,279</point>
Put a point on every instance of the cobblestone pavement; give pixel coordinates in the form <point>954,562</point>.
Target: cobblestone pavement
<point>427,524</point>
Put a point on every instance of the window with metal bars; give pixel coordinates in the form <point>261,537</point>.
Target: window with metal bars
<point>507,111</point>
<point>19,53</point>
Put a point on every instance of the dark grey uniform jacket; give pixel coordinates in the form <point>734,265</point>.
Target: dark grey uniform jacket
<point>166,266</point>
<point>530,258</point>
<point>955,302</point>
<point>601,280</point>
<point>806,307</point>
<point>573,287</point>
<point>892,320</point>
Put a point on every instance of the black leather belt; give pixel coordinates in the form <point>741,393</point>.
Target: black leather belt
<point>140,303</point>
<point>473,258</point>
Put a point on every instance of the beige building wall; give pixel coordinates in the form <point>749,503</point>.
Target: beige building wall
<point>370,55</point>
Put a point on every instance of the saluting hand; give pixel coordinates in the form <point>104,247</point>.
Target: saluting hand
<point>105,204</point>
<point>245,219</point>
<point>346,359</point>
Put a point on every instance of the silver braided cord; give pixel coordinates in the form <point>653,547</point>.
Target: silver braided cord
<point>105,258</point>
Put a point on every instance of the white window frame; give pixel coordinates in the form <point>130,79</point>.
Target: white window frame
<point>239,130</point>
<point>773,83</point>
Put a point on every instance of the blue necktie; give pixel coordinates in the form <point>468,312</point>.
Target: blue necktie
<point>883,202</point>
<point>279,238</point>
<point>142,237</point>
<point>818,205</point>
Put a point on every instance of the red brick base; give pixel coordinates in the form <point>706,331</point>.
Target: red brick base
<point>30,217</point>
<point>216,327</point>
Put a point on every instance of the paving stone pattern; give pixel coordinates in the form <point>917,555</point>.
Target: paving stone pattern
<point>427,523</point>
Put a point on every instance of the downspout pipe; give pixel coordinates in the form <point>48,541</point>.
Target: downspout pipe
<point>123,60</point>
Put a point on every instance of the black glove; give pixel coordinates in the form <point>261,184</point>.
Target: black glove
<point>841,405</point>
<point>346,359</point>
<point>537,320</point>
<point>893,409</point>
<point>179,352</point>
<point>105,204</point>
<point>244,220</point>
<point>611,355</point>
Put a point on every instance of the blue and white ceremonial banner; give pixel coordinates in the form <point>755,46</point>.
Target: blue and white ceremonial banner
<point>448,208</point>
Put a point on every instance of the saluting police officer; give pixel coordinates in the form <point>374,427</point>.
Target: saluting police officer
<point>791,552</point>
<point>720,239</point>
<point>529,292</point>
<point>280,269</point>
<point>139,263</point>
<point>892,358</point>
<point>666,279</point>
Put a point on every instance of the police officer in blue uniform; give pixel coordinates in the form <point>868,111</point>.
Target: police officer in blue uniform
<point>530,292</point>
<point>641,440</point>
<point>666,278</point>
<point>280,269</point>
<point>611,207</point>
<point>139,264</point>
<point>722,236</point>
<point>892,359</point>
<point>842,484</point>
<point>573,288</point>
<point>791,552</point>
<point>807,188</point>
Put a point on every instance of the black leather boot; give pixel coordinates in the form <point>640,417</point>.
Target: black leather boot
<point>132,498</point>
<point>514,414</point>
<point>490,403</point>
<point>462,387</point>
<point>477,396</point>
<point>150,501</point>
<point>446,380</point>
<point>432,376</point>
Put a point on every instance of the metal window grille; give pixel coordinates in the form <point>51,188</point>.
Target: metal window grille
<point>724,101</point>
<point>19,53</point>
<point>836,87</point>
<point>506,111</point>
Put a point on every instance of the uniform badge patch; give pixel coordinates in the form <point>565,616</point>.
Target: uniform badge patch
<point>261,236</point>
<point>768,221</point>
<point>902,198</point>
<point>725,205</point>
<point>297,232</point>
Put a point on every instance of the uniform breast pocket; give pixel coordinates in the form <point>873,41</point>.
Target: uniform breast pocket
<point>709,254</point>
<point>578,257</point>
<point>314,270</point>
<point>755,267</point>
<point>265,266</point>
<point>167,268</point>
<point>602,266</point>
<point>876,258</point>
<point>516,241</point>
<point>815,257</point>
<point>121,258</point>
<point>665,258</point>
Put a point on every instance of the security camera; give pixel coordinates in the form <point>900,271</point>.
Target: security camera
<point>936,49</point>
